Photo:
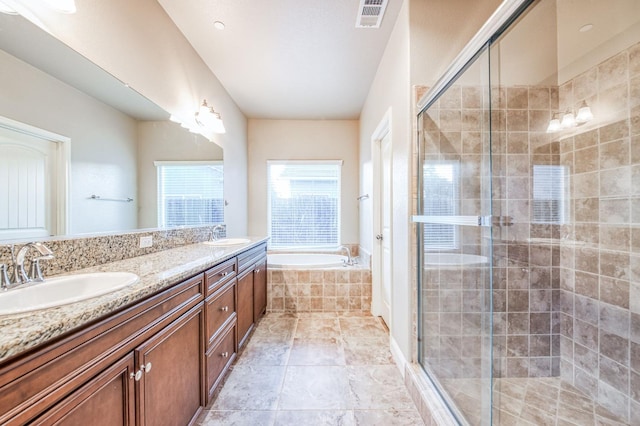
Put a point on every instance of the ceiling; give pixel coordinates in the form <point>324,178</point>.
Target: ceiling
<point>287,59</point>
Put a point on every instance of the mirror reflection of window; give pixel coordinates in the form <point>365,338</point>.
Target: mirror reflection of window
<point>549,193</point>
<point>441,198</point>
<point>190,193</point>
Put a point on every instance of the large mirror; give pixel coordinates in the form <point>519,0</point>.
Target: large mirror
<point>81,152</point>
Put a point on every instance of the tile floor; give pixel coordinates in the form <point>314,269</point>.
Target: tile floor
<point>531,402</point>
<point>314,369</point>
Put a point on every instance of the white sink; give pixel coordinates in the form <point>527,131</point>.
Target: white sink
<point>227,242</point>
<point>63,290</point>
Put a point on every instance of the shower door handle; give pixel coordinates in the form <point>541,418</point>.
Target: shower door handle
<point>379,237</point>
<point>485,221</point>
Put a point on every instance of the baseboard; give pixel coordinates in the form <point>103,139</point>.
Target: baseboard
<point>398,356</point>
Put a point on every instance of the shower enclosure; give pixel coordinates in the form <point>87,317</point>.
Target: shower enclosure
<point>528,220</point>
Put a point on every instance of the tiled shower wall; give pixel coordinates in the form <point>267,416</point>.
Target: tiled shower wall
<point>526,262</point>
<point>526,256</point>
<point>600,251</point>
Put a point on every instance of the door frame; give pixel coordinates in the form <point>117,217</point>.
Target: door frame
<point>63,160</point>
<point>382,130</point>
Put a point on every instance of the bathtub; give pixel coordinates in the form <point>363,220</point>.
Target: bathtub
<point>304,260</point>
<point>453,259</point>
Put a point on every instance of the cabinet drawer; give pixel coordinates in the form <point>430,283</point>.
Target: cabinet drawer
<point>219,309</point>
<point>217,276</point>
<point>220,357</point>
<point>248,258</point>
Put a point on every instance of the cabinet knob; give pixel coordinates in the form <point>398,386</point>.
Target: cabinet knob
<point>225,354</point>
<point>224,308</point>
<point>136,376</point>
<point>224,274</point>
<point>146,368</point>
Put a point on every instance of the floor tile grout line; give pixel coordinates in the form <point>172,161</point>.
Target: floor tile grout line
<point>286,368</point>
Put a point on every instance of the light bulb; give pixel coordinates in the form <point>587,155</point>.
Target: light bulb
<point>554,125</point>
<point>568,120</point>
<point>584,114</point>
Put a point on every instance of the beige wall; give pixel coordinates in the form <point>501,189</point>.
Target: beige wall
<point>303,140</point>
<point>439,31</point>
<point>167,141</point>
<point>103,143</point>
<point>428,35</point>
<point>391,90</point>
<point>139,44</point>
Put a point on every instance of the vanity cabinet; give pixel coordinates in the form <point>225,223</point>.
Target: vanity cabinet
<point>163,373</point>
<point>155,362</point>
<point>252,290</point>
<point>72,374</point>
<point>260,288</point>
<point>170,386</point>
<point>108,397</point>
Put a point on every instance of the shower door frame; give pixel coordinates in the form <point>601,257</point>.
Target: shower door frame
<point>506,14</point>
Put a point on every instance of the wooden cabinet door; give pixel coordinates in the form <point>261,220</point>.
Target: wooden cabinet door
<point>259,289</point>
<point>171,390</point>
<point>245,305</point>
<point>106,400</point>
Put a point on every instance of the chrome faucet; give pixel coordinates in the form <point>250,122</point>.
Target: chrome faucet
<point>350,261</point>
<point>215,232</point>
<point>20,275</point>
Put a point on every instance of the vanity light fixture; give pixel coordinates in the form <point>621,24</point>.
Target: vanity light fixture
<point>208,118</point>
<point>569,120</point>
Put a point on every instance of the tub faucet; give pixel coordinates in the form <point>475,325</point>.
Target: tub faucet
<point>350,261</point>
<point>35,275</point>
<point>215,232</point>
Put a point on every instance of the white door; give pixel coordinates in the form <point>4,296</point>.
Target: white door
<point>28,180</point>
<point>384,236</point>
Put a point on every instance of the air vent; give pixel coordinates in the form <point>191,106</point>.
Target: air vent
<point>370,13</point>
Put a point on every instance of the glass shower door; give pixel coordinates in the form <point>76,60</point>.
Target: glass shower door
<point>455,244</point>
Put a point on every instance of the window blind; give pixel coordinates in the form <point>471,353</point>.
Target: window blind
<point>442,188</point>
<point>548,194</point>
<point>190,194</point>
<point>304,203</point>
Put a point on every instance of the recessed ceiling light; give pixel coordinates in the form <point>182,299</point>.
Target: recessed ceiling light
<point>585,28</point>
<point>219,25</point>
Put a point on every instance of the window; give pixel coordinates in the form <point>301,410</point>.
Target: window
<point>304,203</point>
<point>190,193</point>
<point>441,186</point>
<point>549,194</point>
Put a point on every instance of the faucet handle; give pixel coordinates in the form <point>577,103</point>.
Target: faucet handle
<point>36,271</point>
<point>4,277</point>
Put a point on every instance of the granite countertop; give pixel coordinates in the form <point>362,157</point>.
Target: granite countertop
<point>157,271</point>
